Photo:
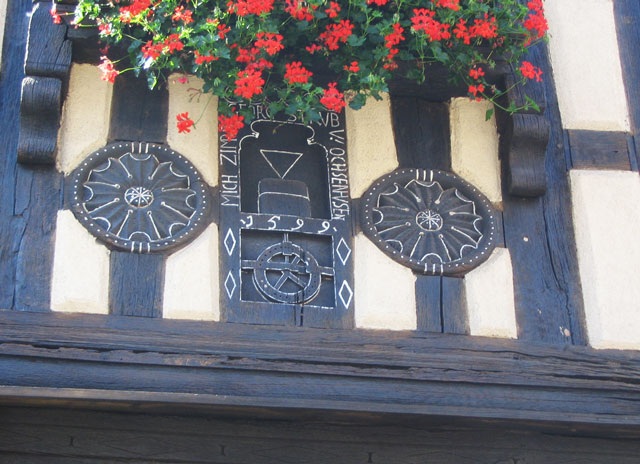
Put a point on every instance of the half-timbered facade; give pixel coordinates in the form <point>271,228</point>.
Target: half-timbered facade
<point>406,283</point>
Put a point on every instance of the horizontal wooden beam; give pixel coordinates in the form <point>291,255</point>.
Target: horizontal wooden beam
<point>239,366</point>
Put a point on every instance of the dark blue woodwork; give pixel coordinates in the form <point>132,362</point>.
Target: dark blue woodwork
<point>539,235</point>
<point>627,15</point>
<point>29,198</point>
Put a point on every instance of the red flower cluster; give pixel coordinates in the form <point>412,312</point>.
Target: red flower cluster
<point>333,100</point>
<point>296,73</point>
<point>170,45</point>
<point>377,2</point>
<point>423,20</point>
<point>353,67</point>
<point>249,83</point>
<point>108,70</point>
<point>474,89</point>
<point>180,14</point>
<point>200,59</point>
<point>184,123</point>
<point>476,73</point>
<point>245,7</point>
<point>230,125</point>
<point>336,33</point>
<point>54,14</point>
<point>300,10</point>
<point>485,28</point>
<point>222,30</point>
<point>536,23</point>
<point>452,4</point>
<point>530,71</point>
<point>128,12</point>
<point>333,10</point>
<point>390,41</point>
<point>270,43</point>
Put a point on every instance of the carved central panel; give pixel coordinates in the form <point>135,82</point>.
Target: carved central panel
<point>285,222</point>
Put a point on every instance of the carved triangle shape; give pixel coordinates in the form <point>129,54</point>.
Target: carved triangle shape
<point>281,161</point>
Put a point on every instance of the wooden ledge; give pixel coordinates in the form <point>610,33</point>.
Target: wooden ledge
<point>48,357</point>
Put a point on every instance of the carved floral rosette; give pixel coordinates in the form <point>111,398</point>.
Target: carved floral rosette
<point>139,197</point>
<point>431,221</point>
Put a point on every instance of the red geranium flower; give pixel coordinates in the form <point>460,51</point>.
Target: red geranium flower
<point>184,122</point>
<point>296,73</point>
<point>333,100</point>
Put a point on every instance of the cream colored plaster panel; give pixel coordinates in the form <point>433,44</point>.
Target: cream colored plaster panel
<point>474,146</point>
<point>191,287</point>
<point>371,146</point>
<point>3,17</point>
<point>85,116</point>
<point>80,282</point>
<point>606,212</point>
<point>490,299</point>
<point>200,145</point>
<point>384,289</point>
<point>586,64</point>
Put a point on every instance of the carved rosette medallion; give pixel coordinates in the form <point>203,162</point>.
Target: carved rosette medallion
<point>139,197</point>
<point>431,221</point>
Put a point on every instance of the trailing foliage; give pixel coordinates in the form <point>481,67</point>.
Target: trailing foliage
<point>272,51</point>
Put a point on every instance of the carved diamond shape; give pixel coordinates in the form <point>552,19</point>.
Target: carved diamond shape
<point>345,294</point>
<point>229,242</point>
<point>343,251</point>
<point>230,284</point>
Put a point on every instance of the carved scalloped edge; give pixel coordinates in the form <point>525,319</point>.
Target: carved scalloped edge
<point>47,64</point>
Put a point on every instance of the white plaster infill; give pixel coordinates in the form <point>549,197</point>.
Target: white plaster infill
<point>80,280</point>
<point>586,64</point>
<point>200,146</point>
<point>490,297</point>
<point>606,214</point>
<point>85,116</point>
<point>385,295</point>
<point>370,144</point>
<point>474,146</point>
<point>191,285</point>
<point>3,18</point>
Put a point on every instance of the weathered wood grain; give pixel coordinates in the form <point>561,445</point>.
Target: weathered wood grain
<point>48,50</point>
<point>11,226</point>
<point>46,434</point>
<point>29,197</point>
<point>422,137</point>
<point>599,150</point>
<point>137,113</point>
<point>627,16</point>
<point>39,120</point>
<point>429,303</point>
<point>455,319</point>
<point>524,137</point>
<point>540,237</point>
<point>136,285</point>
<point>422,133</point>
<point>38,199</point>
<point>237,365</point>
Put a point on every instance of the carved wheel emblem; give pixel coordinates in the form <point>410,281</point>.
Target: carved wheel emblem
<point>139,197</point>
<point>287,273</point>
<point>431,221</point>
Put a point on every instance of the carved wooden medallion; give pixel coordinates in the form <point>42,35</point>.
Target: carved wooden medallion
<point>139,197</point>
<point>431,221</point>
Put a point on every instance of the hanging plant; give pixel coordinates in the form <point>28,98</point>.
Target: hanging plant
<point>278,52</point>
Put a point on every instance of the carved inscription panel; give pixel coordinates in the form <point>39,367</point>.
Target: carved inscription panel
<point>285,223</point>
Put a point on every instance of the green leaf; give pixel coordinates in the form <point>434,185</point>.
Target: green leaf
<point>489,114</point>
